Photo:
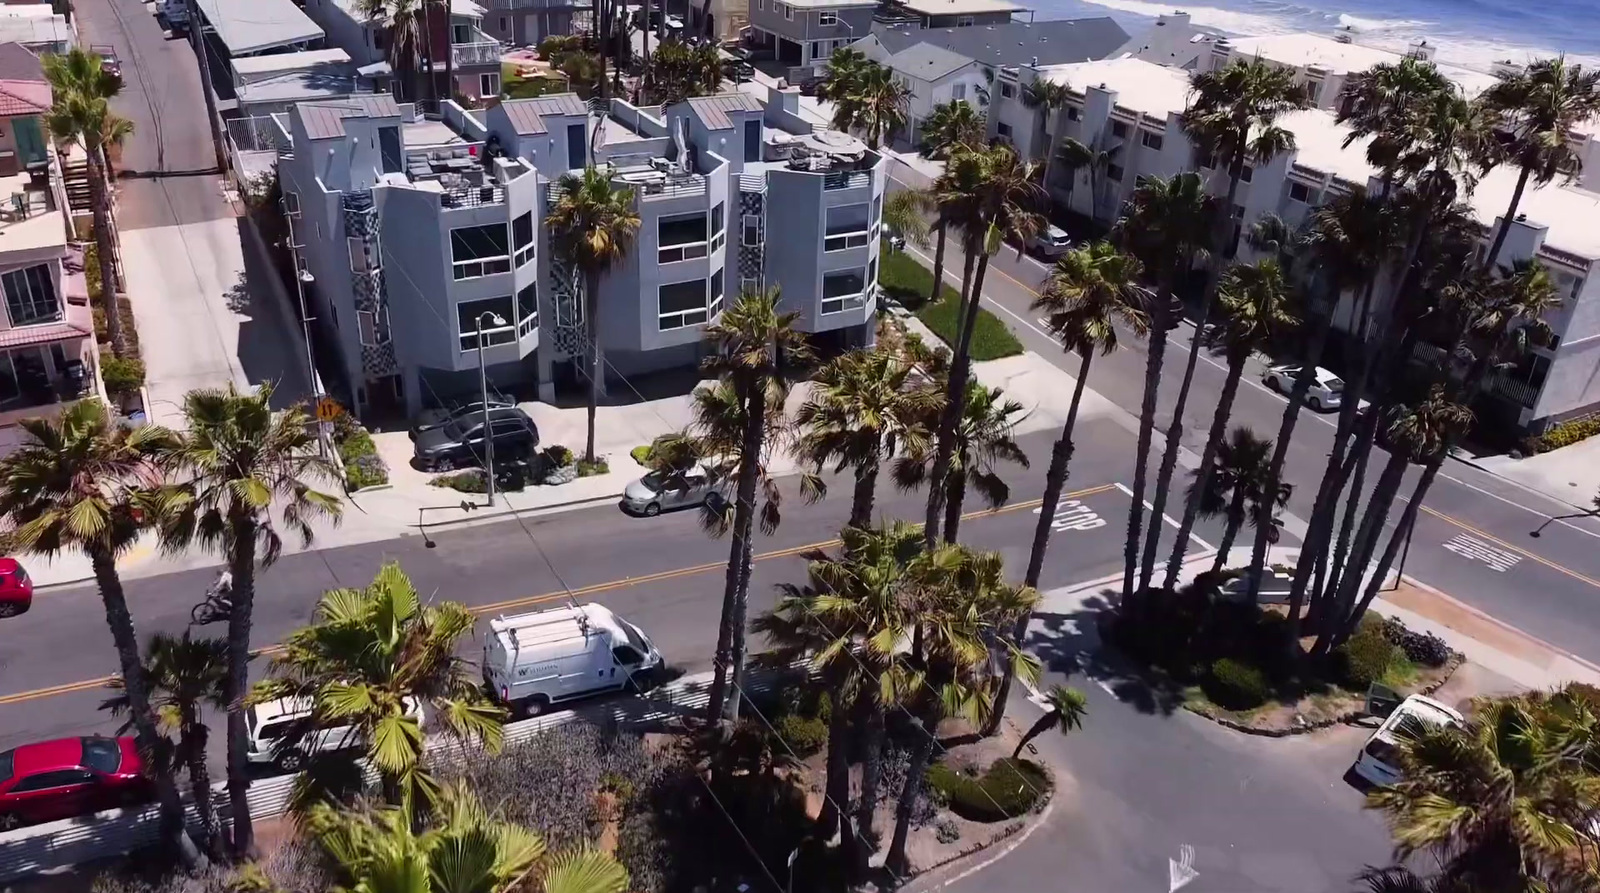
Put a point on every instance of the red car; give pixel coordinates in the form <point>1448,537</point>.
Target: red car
<point>69,777</point>
<point>16,588</point>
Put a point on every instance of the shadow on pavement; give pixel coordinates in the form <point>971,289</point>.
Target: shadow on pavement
<point>1069,644</point>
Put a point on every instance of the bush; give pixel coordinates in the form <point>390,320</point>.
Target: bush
<point>1368,655</point>
<point>640,454</point>
<point>558,456</point>
<point>1426,649</point>
<point>1564,434</point>
<point>947,831</point>
<point>805,735</point>
<point>590,469</point>
<point>366,471</point>
<point>122,376</point>
<point>471,480</point>
<point>1008,789</point>
<point>1236,685</point>
<point>363,467</point>
<point>1583,691</point>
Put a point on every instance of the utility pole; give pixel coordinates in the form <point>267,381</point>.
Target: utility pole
<point>197,38</point>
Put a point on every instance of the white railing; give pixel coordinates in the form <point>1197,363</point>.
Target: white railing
<point>481,52</point>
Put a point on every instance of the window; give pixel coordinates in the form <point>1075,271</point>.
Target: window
<point>505,24</point>
<point>291,204</point>
<point>681,238</point>
<point>963,21</point>
<point>60,778</point>
<point>625,656</point>
<point>489,84</point>
<point>877,209</point>
<point>577,145</point>
<point>1119,130</point>
<point>1299,192</point>
<point>682,304</point>
<point>718,231</point>
<point>848,226</point>
<point>1238,212</point>
<point>843,290</point>
<point>1003,129</point>
<point>389,149</point>
<point>504,332</point>
<point>479,250</point>
<point>715,304</point>
<point>827,19</point>
<point>1114,173</point>
<point>1150,140</point>
<point>817,48</point>
<point>100,755</point>
<point>1008,91</point>
<point>358,255</point>
<point>752,140</point>
<point>460,34</point>
<point>31,296</point>
<point>1246,173</point>
<point>522,238</point>
<point>749,286</point>
<point>527,309</point>
<point>958,93</point>
<point>788,12</point>
<point>752,230</point>
<point>1206,160</point>
<point>1074,113</point>
<point>1314,92</point>
<point>374,326</point>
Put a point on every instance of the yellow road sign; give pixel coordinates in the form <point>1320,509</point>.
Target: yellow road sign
<point>328,409</point>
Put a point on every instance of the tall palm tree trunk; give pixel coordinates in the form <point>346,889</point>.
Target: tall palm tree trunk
<point>956,392</point>
<point>243,569</point>
<point>1040,726</point>
<point>173,834</point>
<point>196,737</point>
<point>1208,459</point>
<point>871,744</point>
<point>896,861</point>
<point>449,56</point>
<point>1402,532</point>
<point>1154,357</point>
<point>427,56</point>
<point>1055,480</point>
<point>866,491</point>
<point>838,772</point>
<point>1338,608</point>
<point>938,263</point>
<point>1234,519</point>
<point>1355,474</point>
<point>730,635</point>
<point>955,495</point>
<point>105,251</point>
<point>1505,221</point>
<point>591,323</point>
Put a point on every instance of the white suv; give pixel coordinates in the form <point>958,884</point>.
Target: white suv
<point>269,722</point>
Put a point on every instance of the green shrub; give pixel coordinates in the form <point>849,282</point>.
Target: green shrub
<point>122,376</point>
<point>1008,789</point>
<point>1564,434</point>
<point>805,735</point>
<point>356,444</point>
<point>470,480</point>
<point>908,282</point>
<point>366,471</point>
<point>558,456</point>
<point>1236,685</point>
<point>640,454</point>
<point>1584,692</point>
<point>1368,655</point>
<point>590,469</point>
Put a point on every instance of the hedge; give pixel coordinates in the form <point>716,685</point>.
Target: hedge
<point>363,467</point>
<point>121,376</point>
<point>1236,685</point>
<point>903,278</point>
<point>1368,654</point>
<point>1564,434</point>
<point>1008,789</point>
<point>805,735</point>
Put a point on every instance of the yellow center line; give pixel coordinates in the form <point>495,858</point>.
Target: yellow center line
<point>1514,548</point>
<point>525,601</point>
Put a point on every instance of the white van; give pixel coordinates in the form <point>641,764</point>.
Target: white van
<point>531,661</point>
<point>1379,757</point>
<point>269,722</point>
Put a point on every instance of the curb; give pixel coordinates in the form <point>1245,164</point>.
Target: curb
<point>501,514</point>
<point>1466,608</point>
<point>1016,832</point>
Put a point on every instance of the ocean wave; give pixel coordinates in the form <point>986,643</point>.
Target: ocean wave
<point>1223,19</point>
<point>1361,24</point>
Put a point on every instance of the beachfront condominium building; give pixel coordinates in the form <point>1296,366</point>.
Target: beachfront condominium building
<point>418,234</point>
<point>1132,111</point>
<point>804,33</point>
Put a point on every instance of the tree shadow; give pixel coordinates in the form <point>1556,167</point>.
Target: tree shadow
<point>1071,644</point>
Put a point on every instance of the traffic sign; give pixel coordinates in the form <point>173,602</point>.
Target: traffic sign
<point>328,409</point>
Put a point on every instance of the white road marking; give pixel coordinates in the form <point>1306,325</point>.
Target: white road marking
<point>1180,871</point>
<point>1168,518</point>
<point>1072,514</point>
<point>1474,549</point>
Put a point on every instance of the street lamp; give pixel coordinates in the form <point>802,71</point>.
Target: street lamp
<point>1539,531</point>
<point>302,279</point>
<point>483,386</point>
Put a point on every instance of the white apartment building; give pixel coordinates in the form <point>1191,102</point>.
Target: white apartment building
<point>1135,108</point>
<point>1326,63</point>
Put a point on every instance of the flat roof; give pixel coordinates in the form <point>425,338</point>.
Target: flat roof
<point>959,7</point>
<point>34,29</point>
<point>1145,87</point>
<point>278,62</point>
<point>298,86</point>
<point>259,24</point>
<point>829,4</point>
<point>1336,57</point>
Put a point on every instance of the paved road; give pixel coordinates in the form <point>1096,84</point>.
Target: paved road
<point>1473,539</point>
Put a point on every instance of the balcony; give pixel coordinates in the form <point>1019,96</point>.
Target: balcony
<point>478,52</point>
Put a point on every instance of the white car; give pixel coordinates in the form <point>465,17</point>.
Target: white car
<point>1051,242</point>
<point>1276,581</point>
<point>659,491</point>
<point>1325,393</point>
<point>1380,756</point>
<point>269,722</point>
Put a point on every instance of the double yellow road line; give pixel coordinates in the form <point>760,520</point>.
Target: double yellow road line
<point>583,592</point>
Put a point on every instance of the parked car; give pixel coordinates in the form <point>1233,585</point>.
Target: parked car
<point>1050,243</point>
<point>270,722</point>
<point>531,661</point>
<point>53,780</point>
<point>429,419</point>
<point>1276,581</point>
<point>16,588</point>
<point>658,491</point>
<point>738,70</point>
<point>1326,389</point>
<point>459,443</point>
<point>1379,758</point>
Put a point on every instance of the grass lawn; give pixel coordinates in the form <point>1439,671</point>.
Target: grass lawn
<point>902,277</point>
<point>515,86</point>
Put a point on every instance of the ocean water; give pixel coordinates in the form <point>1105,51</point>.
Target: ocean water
<point>1470,33</point>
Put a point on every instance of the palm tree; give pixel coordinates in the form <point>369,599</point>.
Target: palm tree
<point>1255,303</point>
<point>238,459</point>
<point>848,622</point>
<point>1536,108</point>
<point>402,20</point>
<point>1237,488</point>
<point>185,674</point>
<point>1168,222</point>
<point>1074,156</point>
<point>1232,118</point>
<point>879,103</point>
<point>952,127</point>
<point>992,195</point>
<point>464,849</point>
<point>982,439</point>
<point>864,407</point>
<point>1068,706</point>
<point>369,657</point>
<point>593,226</point>
<point>1090,292</point>
<point>839,78</point>
<point>1503,802</point>
<point>964,603</point>
<point>85,483</point>
<point>1046,97</point>
<point>757,354</point>
<point>80,113</point>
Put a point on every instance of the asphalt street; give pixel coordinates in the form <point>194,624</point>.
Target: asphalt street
<point>1473,539</point>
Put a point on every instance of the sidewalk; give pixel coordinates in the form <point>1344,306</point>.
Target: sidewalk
<point>1570,474</point>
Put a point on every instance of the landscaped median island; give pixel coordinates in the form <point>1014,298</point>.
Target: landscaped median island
<point>908,282</point>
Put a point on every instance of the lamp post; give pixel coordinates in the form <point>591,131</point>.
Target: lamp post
<point>483,387</point>
<point>302,279</point>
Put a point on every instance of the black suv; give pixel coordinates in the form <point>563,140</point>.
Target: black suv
<point>430,419</point>
<point>459,442</point>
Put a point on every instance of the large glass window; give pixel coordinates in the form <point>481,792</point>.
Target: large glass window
<point>848,227</point>
<point>527,309</point>
<point>752,140</point>
<point>843,290</point>
<point>715,304</point>
<point>522,238</point>
<point>374,326</point>
<point>752,230</point>
<point>682,237</point>
<point>718,236</point>
<point>479,250</point>
<point>682,304</point>
<point>31,296</point>
<point>503,332</point>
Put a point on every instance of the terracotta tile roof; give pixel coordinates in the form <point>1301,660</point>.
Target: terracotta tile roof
<point>46,334</point>
<point>23,98</point>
